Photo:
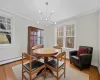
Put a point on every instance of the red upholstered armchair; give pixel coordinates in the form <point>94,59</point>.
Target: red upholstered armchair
<point>83,59</point>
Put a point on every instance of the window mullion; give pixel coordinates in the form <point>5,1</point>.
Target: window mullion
<point>64,36</point>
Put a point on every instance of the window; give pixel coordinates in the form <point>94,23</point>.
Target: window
<point>66,36</point>
<point>5,30</point>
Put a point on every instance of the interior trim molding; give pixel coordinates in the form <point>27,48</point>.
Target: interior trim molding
<point>10,60</point>
<point>94,64</point>
<point>78,15</point>
<point>16,14</point>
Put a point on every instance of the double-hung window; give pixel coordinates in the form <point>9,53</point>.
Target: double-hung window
<point>65,36</point>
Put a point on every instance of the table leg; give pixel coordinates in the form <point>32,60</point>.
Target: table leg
<point>45,61</point>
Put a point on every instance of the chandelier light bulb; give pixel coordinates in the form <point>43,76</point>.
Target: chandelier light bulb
<point>37,22</point>
<point>53,11</point>
<point>46,19</point>
<point>40,11</point>
<point>55,23</point>
<point>41,17</point>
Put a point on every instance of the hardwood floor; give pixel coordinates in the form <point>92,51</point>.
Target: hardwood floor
<point>6,72</point>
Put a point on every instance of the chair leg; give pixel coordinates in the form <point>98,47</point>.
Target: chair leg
<point>57,76</point>
<point>22,73</point>
<point>64,70</point>
<point>64,73</point>
<point>70,62</point>
<point>30,76</point>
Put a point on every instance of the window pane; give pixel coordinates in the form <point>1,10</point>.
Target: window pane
<point>38,40</point>
<point>41,41</point>
<point>38,33</point>
<point>41,34</point>
<point>60,41</point>
<point>68,33</point>
<point>72,32</point>
<point>73,26</point>
<point>70,42</point>
<point>62,31</point>
<point>4,39</point>
<point>57,32</point>
<point>68,30</point>
<point>68,27</point>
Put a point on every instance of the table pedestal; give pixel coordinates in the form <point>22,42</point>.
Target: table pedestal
<point>45,61</point>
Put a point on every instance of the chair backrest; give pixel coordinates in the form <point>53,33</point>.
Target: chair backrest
<point>36,47</point>
<point>57,47</point>
<point>27,57</point>
<point>61,56</point>
<point>90,49</point>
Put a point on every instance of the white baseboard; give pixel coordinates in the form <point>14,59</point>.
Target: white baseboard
<point>99,71</point>
<point>10,60</point>
<point>94,64</point>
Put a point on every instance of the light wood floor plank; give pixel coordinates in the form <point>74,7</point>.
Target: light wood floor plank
<point>9,72</point>
<point>6,72</point>
<point>2,73</point>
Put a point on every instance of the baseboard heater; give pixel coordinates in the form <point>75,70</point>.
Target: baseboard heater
<point>10,60</point>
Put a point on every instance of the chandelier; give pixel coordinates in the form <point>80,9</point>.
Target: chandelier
<point>47,16</point>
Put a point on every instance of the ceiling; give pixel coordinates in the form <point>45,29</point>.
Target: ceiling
<point>63,8</point>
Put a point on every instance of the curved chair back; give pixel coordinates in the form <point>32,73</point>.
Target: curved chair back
<point>36,47</point>
<point>57,47</point>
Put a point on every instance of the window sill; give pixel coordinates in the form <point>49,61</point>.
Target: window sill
<point>6,45</point>
<point>68,48</point>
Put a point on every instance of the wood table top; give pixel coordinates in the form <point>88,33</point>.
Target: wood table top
<point>46,51</point>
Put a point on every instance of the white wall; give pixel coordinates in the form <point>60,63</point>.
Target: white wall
<point>86,33</point>
<point>99,41</point>
<point>20,32</point>
<point>49,36</point>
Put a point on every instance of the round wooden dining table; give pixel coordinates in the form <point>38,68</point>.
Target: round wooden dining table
<point>45,52</point>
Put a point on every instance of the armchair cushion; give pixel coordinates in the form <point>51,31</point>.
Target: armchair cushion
<point>73,53</point>
<point>85,58</point>
<point>82,51</point>
<point>75,59</point>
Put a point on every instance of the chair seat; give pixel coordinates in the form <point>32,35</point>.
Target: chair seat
<point>75,59</point>
<point>53,63</point>
<point>35,64</point>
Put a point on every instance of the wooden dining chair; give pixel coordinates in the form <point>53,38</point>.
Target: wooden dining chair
<point>58,47</point>
<point>34,48</point>
<point>57,65</point>
<point>60,50</point>
<point>31,67</point>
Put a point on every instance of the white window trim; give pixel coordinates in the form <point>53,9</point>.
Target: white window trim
<point>8,14</point>
<point>64,25</point>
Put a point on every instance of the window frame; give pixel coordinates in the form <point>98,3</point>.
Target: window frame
<point>64,34</point>
<point>12,30</point>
